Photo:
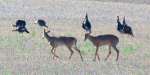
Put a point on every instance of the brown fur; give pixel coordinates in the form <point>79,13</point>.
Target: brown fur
<point>110,40</point>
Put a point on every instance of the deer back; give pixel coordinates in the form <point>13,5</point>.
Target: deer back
<point>68,40</point>
<point>104,39</point>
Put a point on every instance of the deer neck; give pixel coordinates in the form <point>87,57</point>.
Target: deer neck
<point>48,37</point>
<point>91,38</point>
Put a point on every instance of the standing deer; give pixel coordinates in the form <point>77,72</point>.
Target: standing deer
<point>109,39</point>
<point>69,42</point>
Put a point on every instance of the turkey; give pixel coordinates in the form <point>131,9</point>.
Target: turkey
<point>120,27</point>
<point>127,29</point>
<point>41,23</point>
<point>20,23</point>
<point>22,30</point>
<point>86,25</point>
<point>124,28</point>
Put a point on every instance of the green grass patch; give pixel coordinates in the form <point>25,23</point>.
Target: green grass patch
<point>69,34</point>
<point>130,48</point>
<point>41,43</point>
<point>87,47</point>
<point>7,1</point>
<point>33,33</point>
<point>6,72</point>
<point>15,42</point>
<point>9,41</point>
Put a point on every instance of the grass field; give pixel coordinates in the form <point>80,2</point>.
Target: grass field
<point>30,54</point>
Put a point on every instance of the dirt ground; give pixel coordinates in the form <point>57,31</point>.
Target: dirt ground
<point>30,54</point>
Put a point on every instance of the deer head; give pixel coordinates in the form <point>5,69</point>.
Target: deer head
<point>46,31</point>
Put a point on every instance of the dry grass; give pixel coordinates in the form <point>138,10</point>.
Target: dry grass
<point>29,54</point>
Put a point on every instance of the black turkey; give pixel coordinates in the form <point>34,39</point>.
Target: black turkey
<point>22,30</point>
<point>20,23</point>
<point>124,28</point>
<point>120,27</point>
<point>127,29</point>
<point>41,23</point>
<point>86,25</point>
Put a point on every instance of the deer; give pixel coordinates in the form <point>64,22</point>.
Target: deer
<point>69,42</point>
<point>100,40</point>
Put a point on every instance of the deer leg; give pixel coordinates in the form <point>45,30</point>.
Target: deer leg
<point>53,52</point>
<point>117,52</point>
<point>71,52</point>
<point>96,54</point>
<point>108,53</point>
<point>78,52</point>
